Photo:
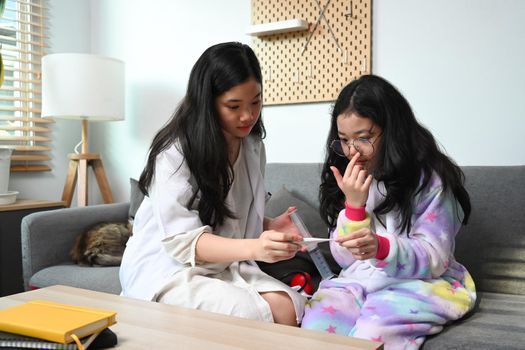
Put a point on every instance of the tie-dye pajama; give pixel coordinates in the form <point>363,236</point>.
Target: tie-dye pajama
<point>412,292</point>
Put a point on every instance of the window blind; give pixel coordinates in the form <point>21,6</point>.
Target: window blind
<point>22,39</point>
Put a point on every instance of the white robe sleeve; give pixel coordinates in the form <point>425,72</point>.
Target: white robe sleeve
<point>170,193</point>
<point>182,246</point>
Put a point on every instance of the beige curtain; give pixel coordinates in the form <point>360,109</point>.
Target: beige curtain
<point>22,36</point>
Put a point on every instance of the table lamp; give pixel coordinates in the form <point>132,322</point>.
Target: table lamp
<point>88,88</point>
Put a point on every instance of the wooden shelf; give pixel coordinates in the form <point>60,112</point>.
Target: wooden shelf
<point>31,204</point>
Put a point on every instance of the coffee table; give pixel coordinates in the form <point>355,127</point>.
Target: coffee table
<point>148,325</point>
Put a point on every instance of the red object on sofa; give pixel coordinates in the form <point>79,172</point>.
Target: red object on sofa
<point>303,280</point>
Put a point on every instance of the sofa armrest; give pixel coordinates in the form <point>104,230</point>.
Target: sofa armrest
<point>48,236</point>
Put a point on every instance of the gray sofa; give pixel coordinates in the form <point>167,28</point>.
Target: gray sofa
<point>491,246</point>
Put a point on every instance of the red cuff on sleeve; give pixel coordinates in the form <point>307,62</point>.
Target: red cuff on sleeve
<point>355,214</point>
<point>383,247</point>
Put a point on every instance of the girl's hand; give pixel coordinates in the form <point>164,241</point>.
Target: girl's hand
<point>361,243</point>
<point>273,246</point>
<point>283,222</point>
<point>355,182</point>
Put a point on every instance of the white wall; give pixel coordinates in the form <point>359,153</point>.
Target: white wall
<point>460,64</point>
<point>457,62</point>
<point>69,32</point>
<point>159,43</point>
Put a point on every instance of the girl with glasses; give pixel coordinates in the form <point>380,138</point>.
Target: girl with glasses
<point>201,225</point>
<point>394,203</point>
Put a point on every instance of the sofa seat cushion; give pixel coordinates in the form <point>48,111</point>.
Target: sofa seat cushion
<point>99,278</point>
<point>496,323</point>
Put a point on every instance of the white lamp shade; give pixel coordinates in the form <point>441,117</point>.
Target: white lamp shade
<point>82,86</point>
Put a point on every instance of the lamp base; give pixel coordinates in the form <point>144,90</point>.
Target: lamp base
<point>78,165</point>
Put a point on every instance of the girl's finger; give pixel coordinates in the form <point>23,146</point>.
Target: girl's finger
<point>365,256</point>
<point>354,177</point>
<point>280,236</point>
<point>351,164</point>
<point>368,181</point>
<point>361,177</point>
<point>290,245</point>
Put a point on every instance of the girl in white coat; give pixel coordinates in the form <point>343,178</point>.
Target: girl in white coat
<point>201,225</point>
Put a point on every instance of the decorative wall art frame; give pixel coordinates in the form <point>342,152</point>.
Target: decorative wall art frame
<point>310,49</point>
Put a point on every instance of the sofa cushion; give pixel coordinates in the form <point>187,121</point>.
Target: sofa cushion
<point>284,199</point>
<point>301,179</point>
<point>495,323</point>
<point>99,278</point>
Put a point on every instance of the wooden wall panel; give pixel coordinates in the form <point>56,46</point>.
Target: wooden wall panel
<point>295,75</point>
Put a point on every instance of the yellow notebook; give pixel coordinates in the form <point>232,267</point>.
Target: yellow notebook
<point>61,323</point>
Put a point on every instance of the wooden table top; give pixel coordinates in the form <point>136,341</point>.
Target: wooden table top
<point>148,325</point>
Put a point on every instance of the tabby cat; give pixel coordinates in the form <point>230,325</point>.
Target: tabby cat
<point>102,244</point>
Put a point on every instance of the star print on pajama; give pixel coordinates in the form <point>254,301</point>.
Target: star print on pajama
<point>408,295</point>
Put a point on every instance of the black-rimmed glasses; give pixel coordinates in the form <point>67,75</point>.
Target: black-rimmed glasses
<point>363,145</point>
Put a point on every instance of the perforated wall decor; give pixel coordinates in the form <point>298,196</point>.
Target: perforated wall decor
<point>313,65</point>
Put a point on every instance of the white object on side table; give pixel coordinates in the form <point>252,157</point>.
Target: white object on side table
<point>6,196</point>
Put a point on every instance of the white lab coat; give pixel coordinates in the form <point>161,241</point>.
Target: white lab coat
<point>159,260</point>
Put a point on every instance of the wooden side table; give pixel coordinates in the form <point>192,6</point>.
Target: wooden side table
<point>11,280</point>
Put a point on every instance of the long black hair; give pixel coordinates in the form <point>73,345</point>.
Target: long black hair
<point>195,126</point>
<point>407,153</point>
